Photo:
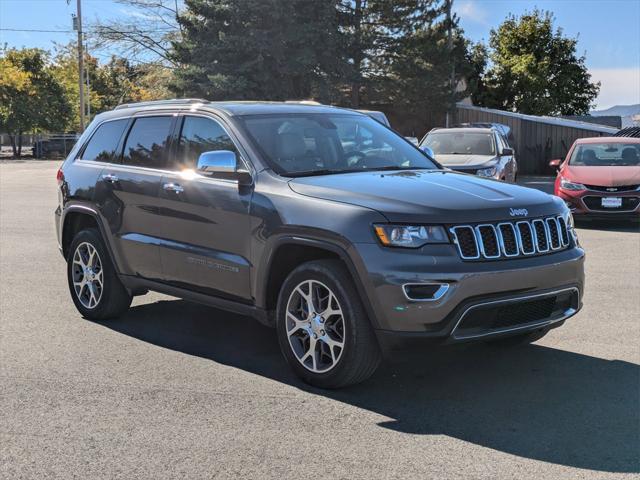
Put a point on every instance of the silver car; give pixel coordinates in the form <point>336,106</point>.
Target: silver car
<point>477,151</point>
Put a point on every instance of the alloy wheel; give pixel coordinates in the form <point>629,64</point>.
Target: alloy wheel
<point>315,326</point>
<point>87,275</point>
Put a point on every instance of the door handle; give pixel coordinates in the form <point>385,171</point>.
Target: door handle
<point>110,177</point>
<point>173,187</point>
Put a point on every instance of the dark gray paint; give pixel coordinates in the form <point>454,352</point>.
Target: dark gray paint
<point>215,240</point>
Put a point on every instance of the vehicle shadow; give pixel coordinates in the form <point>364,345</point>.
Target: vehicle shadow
<point>534,402</point>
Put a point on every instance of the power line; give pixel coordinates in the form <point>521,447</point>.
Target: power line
<point>101,30</point>
<point>34,30</point>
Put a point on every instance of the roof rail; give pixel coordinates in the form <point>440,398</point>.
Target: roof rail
<point>162,102</point>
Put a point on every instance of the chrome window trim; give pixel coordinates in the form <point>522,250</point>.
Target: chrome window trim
<point>530,326</point>
<point>519,236</point>
<point>444,288</point>
<point>455,237</point>
<point>515,235</point>
<point>480,241</point>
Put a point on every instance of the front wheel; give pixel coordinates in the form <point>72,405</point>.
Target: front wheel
<point>323,329</point>
<point>95,287</point>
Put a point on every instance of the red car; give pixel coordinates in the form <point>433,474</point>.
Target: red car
<point>600,177</point>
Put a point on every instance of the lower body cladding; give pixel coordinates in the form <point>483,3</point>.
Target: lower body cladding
<point>602,205</point>
<point>420,294</point>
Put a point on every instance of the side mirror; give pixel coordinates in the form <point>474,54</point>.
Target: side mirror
<point>507,152</point>
<point>413,140</point>
<point>555,163</point>
<point>428,151</point>
<point>222,164</point>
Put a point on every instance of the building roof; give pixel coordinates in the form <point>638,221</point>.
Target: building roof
<point>561,122</point>
<point>607,140</point>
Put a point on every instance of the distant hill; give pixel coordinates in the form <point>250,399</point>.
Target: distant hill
<point>626,112</point>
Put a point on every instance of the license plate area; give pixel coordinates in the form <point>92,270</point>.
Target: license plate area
<point>611,202</point>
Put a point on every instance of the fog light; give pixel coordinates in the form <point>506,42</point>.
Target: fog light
<point>424,292</point>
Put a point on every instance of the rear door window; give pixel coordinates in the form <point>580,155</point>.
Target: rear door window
<point>147,144</point>
<point>104,142</point>
<point>198,135</point>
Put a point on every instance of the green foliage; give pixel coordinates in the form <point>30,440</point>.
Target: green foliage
<point>350,52</point>
<point>31,98</point>
<point>256,49</point>
<point>535,69</point>
<point>110,84</point>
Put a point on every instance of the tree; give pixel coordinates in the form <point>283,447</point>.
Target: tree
<point>415,71</point>
<point>535,69</point>
<point>257,49</point>
<point>379,33</point>
<point>118,81</point>
<point>144,35</point>
<point>31,97</point>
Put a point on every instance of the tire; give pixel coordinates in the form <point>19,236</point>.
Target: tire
<point>347,352</point>
<point>519,340</point>
<point>93,301</point>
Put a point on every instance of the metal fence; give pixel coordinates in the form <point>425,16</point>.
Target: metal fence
<point>39,145</point>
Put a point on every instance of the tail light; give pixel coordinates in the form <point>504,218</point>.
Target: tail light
<point>60,176</point>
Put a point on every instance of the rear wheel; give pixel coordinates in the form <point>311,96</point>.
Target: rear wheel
<point>95,287</point>
<point>323,330</point>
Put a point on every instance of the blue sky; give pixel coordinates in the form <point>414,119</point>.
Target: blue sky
<point>608,31</point>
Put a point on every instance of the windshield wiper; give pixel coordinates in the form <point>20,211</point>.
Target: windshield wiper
<point>333,171</point>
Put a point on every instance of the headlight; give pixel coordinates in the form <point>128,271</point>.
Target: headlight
<point>571,227</point>
<point>410,236</point>
<point>567,185</point>
<point>487,172</point>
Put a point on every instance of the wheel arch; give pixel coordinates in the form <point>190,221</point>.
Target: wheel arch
<point>286,253</point>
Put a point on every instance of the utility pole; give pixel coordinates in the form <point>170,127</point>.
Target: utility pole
<point>77,25</point>
<point>452,80</point>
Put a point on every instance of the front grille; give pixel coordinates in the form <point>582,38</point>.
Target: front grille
<point>595,203</point>
<point>619,188</point>
<point>511,239</point>
<point>540,230</point>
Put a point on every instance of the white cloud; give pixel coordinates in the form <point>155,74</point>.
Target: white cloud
<point>619,86</point>
<point>471,11</point>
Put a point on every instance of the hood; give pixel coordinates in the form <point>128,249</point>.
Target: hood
<point>429,195</point>
<point>457,160</point>
<point>602,176</point>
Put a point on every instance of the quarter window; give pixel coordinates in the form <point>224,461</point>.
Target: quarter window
<point>104,142</point>
<point>147,142</point>
<point>198,135</point>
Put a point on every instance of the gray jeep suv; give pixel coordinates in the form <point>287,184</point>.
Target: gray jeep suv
<point>318,221</point>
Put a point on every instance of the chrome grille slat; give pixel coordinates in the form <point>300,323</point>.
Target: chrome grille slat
<point>525,237</point>
<point>540,235</point>
<point>511,239</point>
<point>564,233</point>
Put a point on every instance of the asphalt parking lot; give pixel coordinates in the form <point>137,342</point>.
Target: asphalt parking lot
<point>177,390</point>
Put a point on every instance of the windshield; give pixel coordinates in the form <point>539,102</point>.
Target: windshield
<point>606,154</point>
<point>460,143</point>
<point>322,143</point>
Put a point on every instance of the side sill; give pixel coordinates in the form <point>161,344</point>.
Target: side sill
<point>136,284</point>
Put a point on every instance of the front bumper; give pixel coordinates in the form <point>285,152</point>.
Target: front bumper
<point>587,204</point>
<point>470,285</point>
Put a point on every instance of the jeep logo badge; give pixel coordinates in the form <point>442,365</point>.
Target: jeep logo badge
<point>518,212</point>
